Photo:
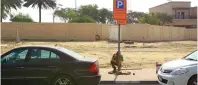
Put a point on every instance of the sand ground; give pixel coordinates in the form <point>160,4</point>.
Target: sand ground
<point>137,55</point>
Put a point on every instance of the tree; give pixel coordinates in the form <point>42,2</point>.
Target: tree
<point>132,16</point>
<point>41,4</point>
<point>66,14</point>
<point>89,10</point>
<point>83,19</point>
<point>21,18</point>
<point>165,18</point>
<point>155,19</point>
<point>105,16</point>
<point>110,17</point>
<point>7,5</point>
<point>99,15</point>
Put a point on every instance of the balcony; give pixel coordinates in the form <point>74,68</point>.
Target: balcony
<point>184,17</point>
<point>184,22</point>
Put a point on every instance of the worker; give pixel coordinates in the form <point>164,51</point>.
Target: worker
<point>115,63</point>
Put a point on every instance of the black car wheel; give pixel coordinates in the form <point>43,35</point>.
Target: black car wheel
<point>193,81</point>
<point>62,80</point>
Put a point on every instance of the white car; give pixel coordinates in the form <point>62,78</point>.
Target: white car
<point>179,72</point>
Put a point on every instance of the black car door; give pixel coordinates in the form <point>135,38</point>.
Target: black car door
<point>12,65</point>
<point>41,65</point>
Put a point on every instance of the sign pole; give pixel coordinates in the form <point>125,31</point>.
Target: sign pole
<point>119,14</point>
<point>118,57</point>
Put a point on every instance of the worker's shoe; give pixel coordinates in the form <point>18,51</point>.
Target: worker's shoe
<point>112,72</point>
<point>119,72</point>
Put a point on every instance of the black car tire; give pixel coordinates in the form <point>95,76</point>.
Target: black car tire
<point>192,80</point>
<point>64,79</point>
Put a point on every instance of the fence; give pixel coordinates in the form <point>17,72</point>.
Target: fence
<point>88,32</point>
<point>145,32</point>
<point>53,31</point>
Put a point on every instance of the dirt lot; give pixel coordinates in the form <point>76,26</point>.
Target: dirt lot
<point>137,55</point>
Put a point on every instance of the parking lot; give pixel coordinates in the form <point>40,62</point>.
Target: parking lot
<point>137,55</point>
<point>139,58</point>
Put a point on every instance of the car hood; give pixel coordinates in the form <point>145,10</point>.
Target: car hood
<point>178,64</point>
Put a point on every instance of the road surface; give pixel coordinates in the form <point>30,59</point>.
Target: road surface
<point>129,84</point>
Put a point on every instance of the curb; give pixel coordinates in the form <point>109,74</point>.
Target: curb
<point>129,82</point>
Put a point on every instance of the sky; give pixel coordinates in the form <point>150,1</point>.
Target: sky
<point>134,5</point>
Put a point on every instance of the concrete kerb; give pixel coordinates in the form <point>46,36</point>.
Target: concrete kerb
<point>129,82</point>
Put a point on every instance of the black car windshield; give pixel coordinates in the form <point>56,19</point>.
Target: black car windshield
<point>71,53</point>
<point>192,56</point>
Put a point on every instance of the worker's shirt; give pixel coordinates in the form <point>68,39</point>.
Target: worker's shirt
<point>114,58</point>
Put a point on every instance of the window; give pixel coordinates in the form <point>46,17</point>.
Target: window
<point>178,15</point>
<point>53,56</point>
<point>38,55</point>
<point>191,56</point>
<point>15,57</point>
<point>182,15</point>
<point>45,54</point>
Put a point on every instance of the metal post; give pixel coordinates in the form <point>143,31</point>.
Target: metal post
<point>53,17</point>
<point>75,4</point>
<point>17,36</point>
<point>118,57</point>
<point>175,14</point>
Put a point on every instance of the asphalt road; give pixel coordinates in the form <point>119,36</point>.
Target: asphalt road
<point>129,84</point>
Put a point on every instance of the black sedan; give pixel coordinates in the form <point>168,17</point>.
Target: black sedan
<point>48,64</point>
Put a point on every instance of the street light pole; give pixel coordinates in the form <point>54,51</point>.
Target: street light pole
<point>76,4</point>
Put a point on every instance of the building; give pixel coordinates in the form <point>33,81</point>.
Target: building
<point>183,14</point>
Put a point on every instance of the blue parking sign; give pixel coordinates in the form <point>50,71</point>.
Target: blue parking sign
<point>120,4</point>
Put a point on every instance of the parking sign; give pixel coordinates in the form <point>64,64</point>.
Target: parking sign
<point>119,11</point>
<point>120,4</point>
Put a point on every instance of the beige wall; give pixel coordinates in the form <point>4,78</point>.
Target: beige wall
<point>10,31</point>
<point>53,31</point>
<point>164,8</point>
<point>194,11</point>
<point>105,32</point>
<point>180,4</point>
<point>139,32</point>
<point>191,34</point>
<point>167,7</point>
<point>136,32</point>
<point>88,31</point>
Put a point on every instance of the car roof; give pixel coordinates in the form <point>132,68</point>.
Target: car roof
<point>43,46</point>
<point>69,52</point>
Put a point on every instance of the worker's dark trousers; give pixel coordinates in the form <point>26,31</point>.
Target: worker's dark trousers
<point>114,64</point>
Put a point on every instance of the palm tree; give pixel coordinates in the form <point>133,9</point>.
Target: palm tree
<point>40,4</point>
<point>7,5</point>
